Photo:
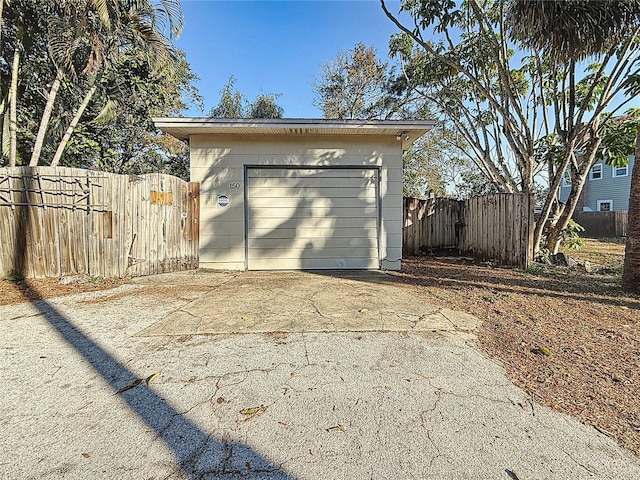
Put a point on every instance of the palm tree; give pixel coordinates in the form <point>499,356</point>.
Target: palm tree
<point>572,30</point>
<point>137,28</point>
<point>101,30</point>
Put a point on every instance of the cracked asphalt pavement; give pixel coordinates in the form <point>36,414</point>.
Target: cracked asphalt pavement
<point>285,375</point>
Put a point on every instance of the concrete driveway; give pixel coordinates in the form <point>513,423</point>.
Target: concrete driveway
<point>297,302</point>
<point>272,375</point>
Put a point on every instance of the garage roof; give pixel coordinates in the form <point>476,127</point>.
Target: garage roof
<point>407,131</point>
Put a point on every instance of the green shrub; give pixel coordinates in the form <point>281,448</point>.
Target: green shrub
<point>14,276</point>
<point>572,238</point>
<point>536,269</point>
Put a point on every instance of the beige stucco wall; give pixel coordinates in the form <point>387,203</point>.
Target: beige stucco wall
<point>217,162</point>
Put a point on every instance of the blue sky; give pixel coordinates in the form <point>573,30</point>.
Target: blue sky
<point>274,46</point>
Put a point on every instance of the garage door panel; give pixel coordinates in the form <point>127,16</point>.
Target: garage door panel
<point>303,213</point>
<point>319,202</point>
<point>312,172</point>
<point>289,233</point>
<point>337,196</point>
<point>298,193</point>
<point>312,218</point>
<point>267,244</point>
<point>331,191</point>
<point>313,264</point>
<point>324,226</point>
<point>310,183</point>
<point>309,254</point>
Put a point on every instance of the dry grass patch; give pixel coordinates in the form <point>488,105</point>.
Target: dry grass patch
<point>608,254</point>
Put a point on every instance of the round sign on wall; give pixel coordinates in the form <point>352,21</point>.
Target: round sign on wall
<point>223,200</point>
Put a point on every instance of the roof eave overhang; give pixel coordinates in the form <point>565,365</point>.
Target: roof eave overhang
<point>405,131</point>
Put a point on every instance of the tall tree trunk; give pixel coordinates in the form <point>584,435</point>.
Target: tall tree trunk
<point>1,8</point>
<point>44,121</point>
<point>555,232</point>
<point>74,123</point>
<point>555,179</point>
<point>631,274</point>
<point>13,107</point>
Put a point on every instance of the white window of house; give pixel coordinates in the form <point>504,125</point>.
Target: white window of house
<point>620,171</point>
<point>566,179</point>
<point>596,172</point>
<point>605,205</point>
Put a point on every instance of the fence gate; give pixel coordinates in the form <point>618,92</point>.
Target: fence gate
<point>66,221</point>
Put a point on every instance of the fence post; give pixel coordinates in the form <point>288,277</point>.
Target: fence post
<point>194,223</point>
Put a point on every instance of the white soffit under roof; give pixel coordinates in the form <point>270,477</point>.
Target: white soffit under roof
<point>408,131</point>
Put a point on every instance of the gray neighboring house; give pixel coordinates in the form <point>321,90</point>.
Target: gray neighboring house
<point>606,190</point>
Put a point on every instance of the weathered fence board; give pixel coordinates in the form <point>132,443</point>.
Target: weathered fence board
<point>602,224</point>
<point>493,227</point>
<point>429,224</point>
<point>64,221</point>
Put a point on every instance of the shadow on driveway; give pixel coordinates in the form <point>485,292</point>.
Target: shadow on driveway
<point>196,454</point>
<point>190,445</point>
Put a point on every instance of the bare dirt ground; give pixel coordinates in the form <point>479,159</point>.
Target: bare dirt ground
<point>569,338</point>
<point>15,291</point>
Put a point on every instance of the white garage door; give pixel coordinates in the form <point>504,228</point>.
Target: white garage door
<point>320,218</point>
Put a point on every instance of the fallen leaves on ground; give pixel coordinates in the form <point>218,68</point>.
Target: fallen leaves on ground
<point>586,321</point>
<point>12,292</point>
<point>252,412</point>
<point>589,325</point>
<point>137,382</point>
<point>337,428</point>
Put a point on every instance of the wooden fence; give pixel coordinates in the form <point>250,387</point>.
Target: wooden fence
<point>602,224</point>
<point>65,221</point>
<point>430,224</point>
<point>495,227</point>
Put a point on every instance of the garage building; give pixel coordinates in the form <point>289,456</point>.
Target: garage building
<point>289,194</point>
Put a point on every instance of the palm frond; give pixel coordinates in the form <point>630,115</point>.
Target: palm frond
<point>173,11</point>
<point>105,11</point>
<point>572,29</point>
<point>96,58</point>
<point>144,32</point>
<point>108,113</point>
